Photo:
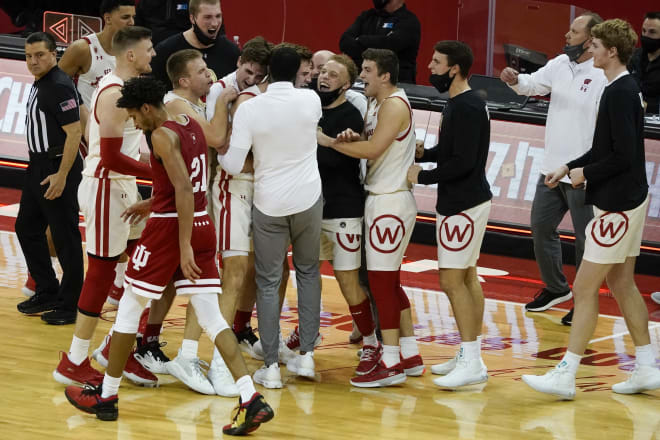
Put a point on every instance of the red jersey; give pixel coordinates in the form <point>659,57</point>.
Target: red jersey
<point>193,150</point>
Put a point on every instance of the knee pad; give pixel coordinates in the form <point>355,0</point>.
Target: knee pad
<point>208,314</point>
<point>384,290</point>
<point>100,276</point>
<point>130,309</point>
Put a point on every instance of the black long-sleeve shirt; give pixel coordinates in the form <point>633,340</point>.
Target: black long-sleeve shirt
<point>461,154</point>
<point>400,32</point>
<point>615,166</point>
<point>647,74</point>
<point>343,194</point>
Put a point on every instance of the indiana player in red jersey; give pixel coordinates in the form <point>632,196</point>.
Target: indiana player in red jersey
<point>178,210</point>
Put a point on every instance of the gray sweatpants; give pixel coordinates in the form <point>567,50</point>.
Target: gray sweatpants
<point>272,236</point>
<point>548,210</point>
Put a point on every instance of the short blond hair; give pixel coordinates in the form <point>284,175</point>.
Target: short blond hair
<point>619,34</point>
<point>349,64</point>
<point>193,7</point>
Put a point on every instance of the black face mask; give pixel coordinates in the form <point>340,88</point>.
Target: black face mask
<point>328,97</point>
<point>314,84</point>
<point>441,82</point>
<point>201,36</point>
<point>574,52</point>
<point>650,45</point>
<point>380,4</point>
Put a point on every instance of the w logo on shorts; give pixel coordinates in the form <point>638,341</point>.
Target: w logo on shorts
<point>455,232</point>
<point>386,233</point>
<point>608,229</point>
<point>140,257</point>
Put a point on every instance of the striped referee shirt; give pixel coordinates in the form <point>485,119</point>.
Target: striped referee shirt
<point>52,104</point>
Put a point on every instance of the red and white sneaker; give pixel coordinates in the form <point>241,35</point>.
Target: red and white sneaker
<point>142,326</point>
<point>413,366</point>
<point>369,359</point>
<point>68,373</point>
<point>102,352</point>
<point>293,341</point>
<point>114,295</point>
<point>136,373</point>
<point>30,286</point>
<point>89,399</point>
<point>381,376</point>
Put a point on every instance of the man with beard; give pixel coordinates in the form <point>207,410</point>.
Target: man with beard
<point>576,86</point>
<point>219,53</point>
<point>388,25</point>
<point>645,62</point>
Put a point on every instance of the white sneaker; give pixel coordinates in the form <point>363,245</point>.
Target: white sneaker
<point>302,364</point>
<point>643,378</point>
<point>558,381</point>
<point>222,380</point>
<point>655,296</point>
<point>285,354</point>
<point>448,367</point>
<point>257,351</point>
<point>269,376</point>
<point>465,373</point>
<point>152,357</point>
<point>190,372</point>
<point>98,355</point>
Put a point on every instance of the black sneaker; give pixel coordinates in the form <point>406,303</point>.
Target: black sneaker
<point>246,340</point>
<point>37,304</point>
<point>88,399</point>
<point>152,357</point>
<point>59,317</point>
<point>544,299</point>
<point>249,416</point>
<point>568,318</point>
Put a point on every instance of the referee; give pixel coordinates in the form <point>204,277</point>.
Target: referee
<point>49,197</point>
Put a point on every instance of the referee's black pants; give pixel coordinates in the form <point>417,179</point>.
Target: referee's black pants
<point>35,214</point>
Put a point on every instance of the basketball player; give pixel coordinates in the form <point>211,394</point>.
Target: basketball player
<point>390,210</point>
<point>615,172</point>
<point>463,205</point>
<point>179,210</point>
<point>108,187</point>
<point>343,196</point>
<point>87,61</point>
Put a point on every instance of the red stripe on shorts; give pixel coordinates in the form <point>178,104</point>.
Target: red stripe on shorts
<point>106,218</point>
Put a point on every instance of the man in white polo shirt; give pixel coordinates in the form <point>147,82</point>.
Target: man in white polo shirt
<point>576,86</point>
<point>279,126</point>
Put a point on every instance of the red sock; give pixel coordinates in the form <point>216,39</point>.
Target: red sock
<point>151,333</point>
<point>361,314</point>
<point>242,320</point>
<point>384,289</point>
<point>100,276</point>
<point>144,318</point>
<point>404,302</point>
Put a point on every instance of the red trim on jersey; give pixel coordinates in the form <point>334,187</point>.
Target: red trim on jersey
<point>224,86</point>
<point>247,93</point>
<point>87,40</point>
<point>106,217</point>
<point>97,98</point>
<point>411,118</point>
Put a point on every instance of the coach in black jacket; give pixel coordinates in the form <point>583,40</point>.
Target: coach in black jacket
<point>389,25</point>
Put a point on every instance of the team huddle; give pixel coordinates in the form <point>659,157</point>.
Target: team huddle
<point>282,153</point>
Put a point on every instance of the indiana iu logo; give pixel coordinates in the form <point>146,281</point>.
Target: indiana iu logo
<point>585,85</point>
<point>455,232</point>
<point>386,233</point>
<point>140,257</point>
<point>349,242</point>
<point>608,229</point>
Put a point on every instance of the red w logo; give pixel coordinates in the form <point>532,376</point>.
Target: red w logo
<point>610,232</point>
<point>353,238</point>
<point>387,234</point>
<point>609,227</point>
<point>456,232</point>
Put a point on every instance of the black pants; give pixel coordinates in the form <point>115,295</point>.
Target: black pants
<point>35,214</point>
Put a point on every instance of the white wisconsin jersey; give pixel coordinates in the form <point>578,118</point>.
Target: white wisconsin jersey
<point>102,64</point>
<point>388,173</point>
<point>130,145</point>
<point>171,96</point>
<point>211,99</point>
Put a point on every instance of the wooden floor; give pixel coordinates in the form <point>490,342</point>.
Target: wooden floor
<point>33,406</point>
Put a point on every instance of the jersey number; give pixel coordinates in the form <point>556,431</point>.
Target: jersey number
<point>198,165</point>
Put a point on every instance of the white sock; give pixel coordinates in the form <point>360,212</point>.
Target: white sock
<point>370,340</point>
<point>470,350</point>
<point>55,262</point>
<point>408,346</point>
<point>570,361</point>
<point>120,270</point>
<point>479,345</point>
<point>111,330</point>
<point>217,358</point>
<point>391,355</point>
<point>110,386</point>
<point>645,355</point>
<point>189,349</point>
<point>246,388</point>
<point>79,350</point>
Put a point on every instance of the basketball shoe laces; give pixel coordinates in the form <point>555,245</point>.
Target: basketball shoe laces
<point>369,354</point>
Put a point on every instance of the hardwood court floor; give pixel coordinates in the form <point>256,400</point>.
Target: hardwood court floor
<point>33,406</point>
